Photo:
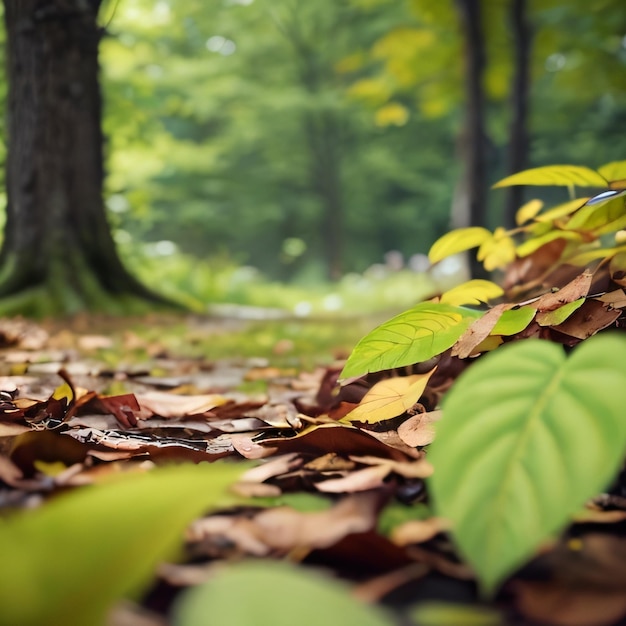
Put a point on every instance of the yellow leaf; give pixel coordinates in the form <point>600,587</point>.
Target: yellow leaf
<point>614,172</point>
<point>456,241</point>
<point>618,268</point>
<point>63,391</point>
<point>530,245</point>
<point>404,43</point>
<point>561,175</point>
<point>389,398</point>
<point>528,211</point>
<point>497,251</point>
<point>392,114</point>
<point>52,468</point>
<point>472,292</point>
<point>562,210</point>
<point>487,344</point>
<point>373,91</point>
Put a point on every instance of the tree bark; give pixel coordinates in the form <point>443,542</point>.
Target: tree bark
<point>57,241</point>
<point>470,200</point>
<point>518,132</point>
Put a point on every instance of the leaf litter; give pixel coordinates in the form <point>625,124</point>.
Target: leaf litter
<point>72,415</point>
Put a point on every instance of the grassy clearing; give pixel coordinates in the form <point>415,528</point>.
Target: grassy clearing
<point>199,283</point>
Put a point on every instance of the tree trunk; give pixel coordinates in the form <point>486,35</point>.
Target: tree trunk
<point>470,200</point>
<point>58,255</point>
<point>518,132</point>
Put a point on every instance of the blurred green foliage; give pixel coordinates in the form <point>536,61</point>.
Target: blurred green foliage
<point>221,119</point>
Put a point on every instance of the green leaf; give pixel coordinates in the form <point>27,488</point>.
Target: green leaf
<point>513,321</point>
<point>442,614</point>
<point>414,336</point>
<point>397,513</point>
<point>68,561</point>
<point>526,438</point>
<point>561,175</point>
<point>271,593</point>
<point>558,316</point>
<point>458,241</point>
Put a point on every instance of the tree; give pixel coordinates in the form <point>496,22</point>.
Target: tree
<point>262,146</point>
<point>58,255</point>
<point>571,51</point>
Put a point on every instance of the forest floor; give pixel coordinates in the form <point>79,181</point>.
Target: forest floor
<point>93,397</point>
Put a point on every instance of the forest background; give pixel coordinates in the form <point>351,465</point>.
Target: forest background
<point>251,141</point>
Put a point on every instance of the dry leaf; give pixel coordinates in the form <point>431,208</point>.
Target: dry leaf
<point>479,331</point>
<point>284,529</point>
<point>560,605</point>
<point>249,449</point>
<point>342,439</point>
<point>170,405</point>
<point>278,465</point>
<point>575,289</point>
<point>373,476</point>
<point>419,430</point>
<point>418,531</point>
<point>420,468</point>
<point>392,439</point>
<point>330,462</point>
<point>390,398</point>
<point>360,480</point>
<point>586,321</point>
<point>616,299</point>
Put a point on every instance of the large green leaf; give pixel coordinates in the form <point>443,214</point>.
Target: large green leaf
<point>67,562</point>
<point>271,593</point>
<point>414,336</point>
<point>526,437</point>
<point>563,175</point>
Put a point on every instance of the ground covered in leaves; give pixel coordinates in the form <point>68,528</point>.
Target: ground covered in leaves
<point>85,401</point>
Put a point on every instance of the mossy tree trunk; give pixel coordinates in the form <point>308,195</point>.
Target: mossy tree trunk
<point>58,255</point>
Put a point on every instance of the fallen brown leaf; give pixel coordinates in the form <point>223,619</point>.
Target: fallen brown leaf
<point>575,289</point>
<point>418,531</point>
<point>170,405</point>
<point>557,604</point>
<point>419,430</point>
<point>283,529</point>
<point>479,331</point>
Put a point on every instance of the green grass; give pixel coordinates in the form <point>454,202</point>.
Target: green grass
<point>200,283</point>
